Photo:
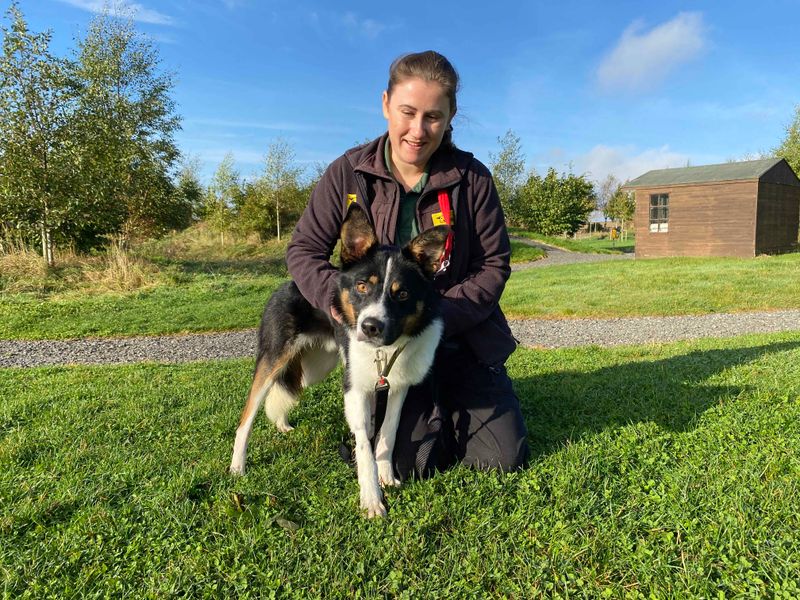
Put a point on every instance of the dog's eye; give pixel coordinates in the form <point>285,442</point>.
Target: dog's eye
<point>362,287</point>
<point>401,295</point>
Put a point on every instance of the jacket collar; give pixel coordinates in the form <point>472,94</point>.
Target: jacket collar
<point>446,169</point>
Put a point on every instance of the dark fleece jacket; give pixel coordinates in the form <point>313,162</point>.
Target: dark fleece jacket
<point>479,264</point>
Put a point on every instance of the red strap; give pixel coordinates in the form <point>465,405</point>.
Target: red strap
<point>444,205</point>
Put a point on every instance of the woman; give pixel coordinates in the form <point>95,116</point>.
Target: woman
<point>467,410</point>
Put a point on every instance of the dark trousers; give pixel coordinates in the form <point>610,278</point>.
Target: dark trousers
<point>463,412</point>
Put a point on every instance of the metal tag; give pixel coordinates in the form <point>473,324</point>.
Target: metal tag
<point>382,385</point>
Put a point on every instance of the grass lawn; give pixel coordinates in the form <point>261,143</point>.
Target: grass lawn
<point>201,303</point>
<point>521,253</point>
<point>591,245</point>
<point>663,471</point>
<point>670,286</point>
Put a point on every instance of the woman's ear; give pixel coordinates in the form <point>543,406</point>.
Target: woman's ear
<point>385,104</point>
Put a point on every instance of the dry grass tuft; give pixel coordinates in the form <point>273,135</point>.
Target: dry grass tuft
<point>119,271</point>
<point>22,270</point>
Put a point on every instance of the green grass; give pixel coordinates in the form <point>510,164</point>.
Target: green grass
<point>521,253</point>
<point>667,472</point>
<point>670,286</point>
<point>230,294</point>
<point>202,303</point>
<point>592,245</point>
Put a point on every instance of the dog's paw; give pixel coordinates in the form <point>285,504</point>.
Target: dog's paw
<point>237,468</point>
<point>372,505</point>
<point>373,509</point>
<point>284,427</point>
<point>386,474</point>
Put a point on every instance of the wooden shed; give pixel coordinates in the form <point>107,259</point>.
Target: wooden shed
<point>733,209</point>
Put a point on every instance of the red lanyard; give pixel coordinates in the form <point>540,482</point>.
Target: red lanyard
<point>444,205</point>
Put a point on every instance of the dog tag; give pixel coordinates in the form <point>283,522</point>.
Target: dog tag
<point>382,385</point>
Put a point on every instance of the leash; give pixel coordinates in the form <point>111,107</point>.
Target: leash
<point>382,387</point>
<point>444,206</point>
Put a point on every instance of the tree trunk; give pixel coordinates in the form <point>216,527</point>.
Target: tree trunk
<point>278,220</point>
<point>47,240</point>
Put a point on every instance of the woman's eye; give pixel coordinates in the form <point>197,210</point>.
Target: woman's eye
<point>362,287</point>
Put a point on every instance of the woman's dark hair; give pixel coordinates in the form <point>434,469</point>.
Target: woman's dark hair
<point>428,66</point>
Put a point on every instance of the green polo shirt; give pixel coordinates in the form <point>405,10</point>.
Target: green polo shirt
<point>407,228</point>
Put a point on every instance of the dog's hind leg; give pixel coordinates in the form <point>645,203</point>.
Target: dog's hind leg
<point>262,382</point>
<point>282,396</point>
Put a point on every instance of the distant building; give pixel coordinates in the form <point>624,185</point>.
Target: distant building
<point>733,209</point>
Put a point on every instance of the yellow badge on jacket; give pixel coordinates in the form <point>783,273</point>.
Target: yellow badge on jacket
<point>351,198</point>
<point>438,219</point>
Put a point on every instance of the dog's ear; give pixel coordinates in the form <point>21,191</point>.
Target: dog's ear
<point>427,248</point>
<point>358,236</point>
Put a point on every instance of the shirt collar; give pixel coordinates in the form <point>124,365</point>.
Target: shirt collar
<point>423,181</point>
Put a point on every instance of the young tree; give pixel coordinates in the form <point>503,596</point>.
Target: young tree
<point>608,187</point>
<point>557,205</point>
<point>621,207</point>
<point>188,189</point>
<point>222,197</point>
<point>508,168</point>
<point>276,195</point>
<point>37,154</point>
<point>790,147</point>
<point>125,122</point>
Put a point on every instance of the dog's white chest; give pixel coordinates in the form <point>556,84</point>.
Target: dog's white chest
<point>410,367</point>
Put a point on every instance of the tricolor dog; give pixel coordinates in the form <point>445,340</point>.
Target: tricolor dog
<point>389,332</point>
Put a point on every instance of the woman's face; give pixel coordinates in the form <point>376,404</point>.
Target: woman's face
<point>418,114</point>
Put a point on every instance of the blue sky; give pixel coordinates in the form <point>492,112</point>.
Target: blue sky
<point>611,87</point>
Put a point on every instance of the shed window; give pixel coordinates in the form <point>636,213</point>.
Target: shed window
<point>659,213</point>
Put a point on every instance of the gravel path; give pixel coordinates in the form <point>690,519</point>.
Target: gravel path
<point>542,333</point>
<point>530,332</point>
<point>557,256</point>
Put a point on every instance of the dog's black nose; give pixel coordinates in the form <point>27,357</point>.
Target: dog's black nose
<point>372,327</point>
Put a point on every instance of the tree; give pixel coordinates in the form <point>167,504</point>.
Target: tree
<point>790,147</point>
<point>554,205</point>
<point>508,168</point>
<point>125,123</point>
<point>621,207</point>
<point>36,148</point>
<point>275,197</point>
<point>608,188</point>
<point>188,190</point>
<point>222,197</point>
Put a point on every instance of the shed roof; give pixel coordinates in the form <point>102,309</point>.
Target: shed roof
<point>749,169</point>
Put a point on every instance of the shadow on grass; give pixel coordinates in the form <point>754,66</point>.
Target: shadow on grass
<point>672,393</point>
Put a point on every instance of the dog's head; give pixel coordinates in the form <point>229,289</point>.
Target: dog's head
<point>385,292</point>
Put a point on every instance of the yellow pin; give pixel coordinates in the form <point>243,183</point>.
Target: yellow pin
<point>438,219</point>
<point>351,198</point>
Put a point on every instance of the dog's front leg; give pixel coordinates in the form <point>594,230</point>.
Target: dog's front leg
<point>384,446</point>
<point>357,411</point>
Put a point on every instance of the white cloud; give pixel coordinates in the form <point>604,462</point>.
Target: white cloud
<point>626,162</point>
<point>136,11</point>
<point>642,59</point>
<point>287,126</point>
<point>368,28</point>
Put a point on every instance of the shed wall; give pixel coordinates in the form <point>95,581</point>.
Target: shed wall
<point>778,217</point>
<point>715,219</point>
